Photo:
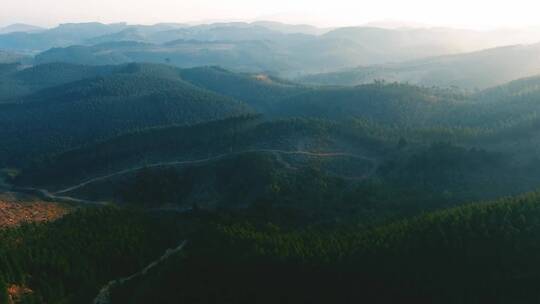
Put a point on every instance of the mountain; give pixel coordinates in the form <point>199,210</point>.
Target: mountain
<point>246,50</point>
<point>63,91</point>
<point>258,90</point>
<point>285,50</point>
<point>19,81</point>
<point>232,136</point>
<point>246,56</point>
<point>160,33</point>
<point>487,241</point>
<point>62,35</point>
<point>495,243</point>
<point>261,91</point>
<point>391,110</point>
<point>402,44</point>
<point>133,97</point>
<point>363,263</point>
<point>292,28</point>
<point>11,57</point>
<point>395,24</point>
<point>212,177</point>
<point>477,70</point>
<point>397,104</point>
<point>20,27</point>
<point>422,40</point>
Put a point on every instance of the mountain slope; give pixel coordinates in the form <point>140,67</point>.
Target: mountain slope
<point>379,102</point>
<point>20,27</point>
<point>168,144</point>
<point>480,253</point>
<point>262,47</point>
<point>17,82</point>
<point>261,91</point>
<point>62,35</point>
<point>476,70</point>
<point>79,112</point>
<point>11,57</point>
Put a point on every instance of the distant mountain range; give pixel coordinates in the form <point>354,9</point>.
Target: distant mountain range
<point>277,48</point>
<point>20,27</point>
<point>11,57</point>
<point>476,70</point>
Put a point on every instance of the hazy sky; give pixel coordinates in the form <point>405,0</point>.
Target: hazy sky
<point>460,13</point>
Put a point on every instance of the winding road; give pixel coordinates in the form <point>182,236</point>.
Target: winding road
<point>46,195</point>
<point>218,157</point>
<point>104,295</point>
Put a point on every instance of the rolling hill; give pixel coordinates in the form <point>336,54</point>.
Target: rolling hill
<point>260,91</point>
<point>20,27</point>
<point>282,49</point>
<point>398,104</point>
<point>477,70</point>
<point>135,97</point>
<point>62,35</point>
<point>494,243</point>
<point>228,138</point>
<point>18,81</point>
<point>11,57</point>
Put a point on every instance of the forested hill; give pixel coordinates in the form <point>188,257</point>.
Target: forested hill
<point>482,253</point>
<point>227,138</point>
<point>258,90</point>
<point>17,81</point>
<point>469,71</point>
<point>241,46</point>
<point>133,98</point>
<point>40,102</point>
<point>261,91</point>
<point>389,103</point>
<point>11,57</point>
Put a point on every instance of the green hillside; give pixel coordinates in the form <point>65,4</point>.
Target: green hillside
<point>261,91</point>
<point>400,104</point>
<point>225,137</point>
<point>17,82</point>
<point>489,252</point>
<point>469,71</point>
<point>67,116</point>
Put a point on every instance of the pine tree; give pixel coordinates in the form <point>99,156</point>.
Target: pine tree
<point>4,296</point>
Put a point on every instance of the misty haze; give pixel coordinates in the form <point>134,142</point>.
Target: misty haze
<point>287,152</point>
